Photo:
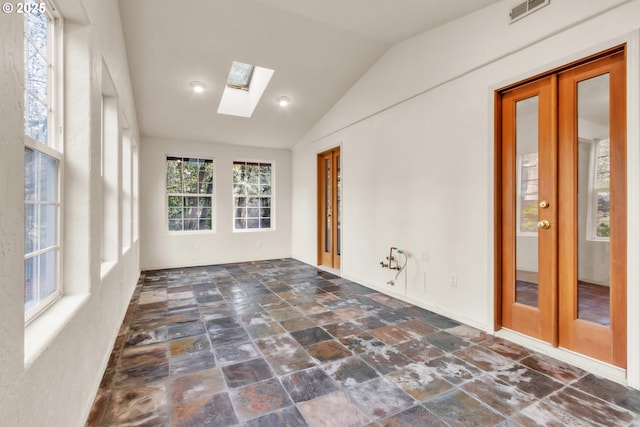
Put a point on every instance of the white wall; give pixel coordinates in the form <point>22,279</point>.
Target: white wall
<point>417,147</point>
<point>50,370</point>
<point>11,215</point>
<point>161,249</point>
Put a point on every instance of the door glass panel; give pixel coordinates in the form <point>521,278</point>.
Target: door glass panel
<point>527,202</point>
<point>593,200</point>
<point>338,208</point>
<point>327,205</point>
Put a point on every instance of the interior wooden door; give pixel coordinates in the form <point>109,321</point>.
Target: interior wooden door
<point>529,173</point>
<point>592,187</point>
<point>329,203</point>
<point>562,208</point>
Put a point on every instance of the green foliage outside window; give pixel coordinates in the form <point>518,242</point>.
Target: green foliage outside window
<point>189,194</point>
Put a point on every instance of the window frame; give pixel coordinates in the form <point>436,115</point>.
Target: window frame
<point>54,148</point>
<point>271,196</point>
<point>211,195</point>
<point>594,190</point>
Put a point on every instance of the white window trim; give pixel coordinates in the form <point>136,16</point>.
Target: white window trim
<point>167,195</point>
<point>272,206</point>
<point>54,149</point>
<point>592,203</point>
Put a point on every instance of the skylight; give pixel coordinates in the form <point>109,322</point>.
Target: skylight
<point>245,85</point>
<point>240,76</point>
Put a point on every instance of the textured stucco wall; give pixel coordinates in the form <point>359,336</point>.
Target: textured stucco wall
<point>51,368</point>
<point>11,213</point>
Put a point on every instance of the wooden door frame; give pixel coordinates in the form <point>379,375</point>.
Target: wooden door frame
<point>576,334</point>
<point>333,260</point>
<point>538,321</point>
<point>498,190</point>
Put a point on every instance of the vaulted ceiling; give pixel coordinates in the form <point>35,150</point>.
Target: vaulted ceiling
<point>318,49</point>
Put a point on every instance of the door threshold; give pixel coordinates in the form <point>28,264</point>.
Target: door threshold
<point>586,363</point>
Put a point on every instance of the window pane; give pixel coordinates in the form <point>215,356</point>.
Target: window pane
<point>30,282</point>
<point>240,75</point>
<point>241,201</point>
<point>48,226</point>
<point>205,223</point>
<point>253,189</point>
<point>253,202</point>
<point>175,201</point>
<point>253,174</point>
<point>35,119</point>
<point>238,173</point>
<point>47,274</point>
<point>190,213</point>
<point>175,225</point>
<point>175,213</point>
<point>265,223</point>
<point>174,179</point>
<point>240,223</point>
<point>30,228</point>
<point>266,189</point>
<point>265,202</point>
<point>48,178</point>
<point>190,201</point>
<point>253,213</point>
<point>241,212</point>
<point>206,185</point>
<point>36,72</point>
<point>190,178</point>
<point>253,223</point>
<point>30,175</point>
<point>36,29</point>
<point>265,212</point>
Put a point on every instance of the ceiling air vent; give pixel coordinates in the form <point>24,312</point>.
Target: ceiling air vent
<point>526,8</point>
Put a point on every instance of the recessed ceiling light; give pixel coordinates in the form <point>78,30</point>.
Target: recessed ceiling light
<point>283,101</point>
<point>198,87</point>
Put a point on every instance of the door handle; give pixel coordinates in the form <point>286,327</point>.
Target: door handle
<point>544,224</point>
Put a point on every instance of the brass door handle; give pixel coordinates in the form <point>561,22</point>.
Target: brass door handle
<point>544,224</point>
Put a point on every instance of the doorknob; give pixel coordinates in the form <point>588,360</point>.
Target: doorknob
<point>544,224</point>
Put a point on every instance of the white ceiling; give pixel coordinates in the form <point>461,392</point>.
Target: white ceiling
<point>318,49</point>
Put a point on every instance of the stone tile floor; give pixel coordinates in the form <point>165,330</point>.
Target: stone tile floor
<point>281,343</point>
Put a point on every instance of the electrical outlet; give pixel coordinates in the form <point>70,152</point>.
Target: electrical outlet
<point>453,281</point>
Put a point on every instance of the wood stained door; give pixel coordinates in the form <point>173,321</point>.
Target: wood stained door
<point>329,203</point>
<point>562,208</point>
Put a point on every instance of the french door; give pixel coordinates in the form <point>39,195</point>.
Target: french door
<point>562,207</point>
<point>329,203</point>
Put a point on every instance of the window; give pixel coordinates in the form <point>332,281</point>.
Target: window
<point>252,191</point>
<point>244,89</point>
<point>528,194</point>
<point>189,194</point>
<point>240,76</point>
<point>42,163</point>
<point>599,209</point>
